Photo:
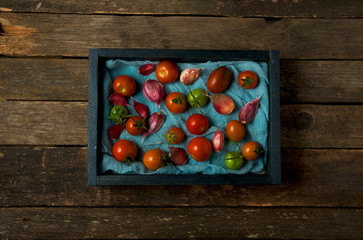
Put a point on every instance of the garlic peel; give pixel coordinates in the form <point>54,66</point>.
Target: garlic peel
<point>249,111</point>
<point>189,75</point>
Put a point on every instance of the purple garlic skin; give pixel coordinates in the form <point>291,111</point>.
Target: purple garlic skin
<point>249,111</point>
<point>117,99</point>
<point>156,120</point>
<point>146,69</point>
<point>178,156</point>
<point>153,90</point>
<point>189,75</point>
<point>141,109</point>
<point>223,104</point>
<point>218,141</point>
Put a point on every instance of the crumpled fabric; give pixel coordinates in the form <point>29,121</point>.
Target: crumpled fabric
<point>255,131</point>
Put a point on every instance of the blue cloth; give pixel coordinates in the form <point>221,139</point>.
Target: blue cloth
<point>256,131</point>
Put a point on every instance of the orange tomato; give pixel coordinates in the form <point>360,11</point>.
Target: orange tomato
<point>176,102</point>
<point>154,159</point>
<point>251,151</point>
<point>235,130</point>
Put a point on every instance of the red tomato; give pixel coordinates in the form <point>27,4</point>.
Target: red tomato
<point>197,124</point>
<point>135,125</point>
<point>251,150</point>
<point>200,149</point>
<point>154,159</point>
<point>124,150</point>
<point>176,102</point>
<point>219,80</point>
<point>174,135</point>
<point>166,72</point>
<point>248,79</point>
<point>124,85</point>
<point>235,130</point>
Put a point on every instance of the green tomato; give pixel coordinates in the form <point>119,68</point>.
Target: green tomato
<point>197,98</point>
<point>117,114</point>
<point>233,160</point>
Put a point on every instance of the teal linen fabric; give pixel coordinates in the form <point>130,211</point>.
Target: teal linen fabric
<point>256,131</point>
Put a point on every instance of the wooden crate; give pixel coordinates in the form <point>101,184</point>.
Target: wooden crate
<point>97,57</point>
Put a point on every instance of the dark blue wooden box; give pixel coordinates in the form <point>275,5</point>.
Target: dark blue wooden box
<point>97,57</point>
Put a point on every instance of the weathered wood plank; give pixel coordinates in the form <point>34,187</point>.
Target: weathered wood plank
<point>67,79</point>
<point>325,178</point>
<point>65,123</point>
<point>43,79</point>
<point>181,223</point>
<point>321,81</point>
<point>249,8</point>
<point>58,123</point>
<point>73,35</point>
<point>322,126</point>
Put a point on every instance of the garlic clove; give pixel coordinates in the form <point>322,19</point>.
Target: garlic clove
<point>118,99</point>
<point>146,69</point>
<point>189,75</point>
<point>178,156</point>
<point>141,109</point>
<point>218,141</point>
<point>153,90</point>
<point>223,104</point>
<point>156,120</point>
<point>115,131</point>
<point>249,111</point>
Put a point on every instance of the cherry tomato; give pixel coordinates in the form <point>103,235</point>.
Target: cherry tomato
<point>174,135</point>
<point>124,150</point>
<point>233,160</point>
<point>166,72</point>
<point>200,149</point>
<point>197,124</point>
<point>124,85</point>
<point>219,80</point>
<point>248,79</point>
<point>176,102</point>
<point>118,113</point>
<point>135,125</point>
<point>235,130</point>
<point>251,151</point>
<point>154,159</point>
<point>197,98</point>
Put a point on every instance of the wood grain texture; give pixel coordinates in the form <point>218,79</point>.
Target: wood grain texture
<point>43,79</point>
<point>58,123</point>
<point>67,79</point>
<point>65,123</point>
<point>322,126</point>
<point>73,35</point>
<point>44,176</point>
<point>181,223</point>
<point>321,81</point>
<point>248,8</point>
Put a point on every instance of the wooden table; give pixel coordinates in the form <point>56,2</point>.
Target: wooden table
<point>43,128</point>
